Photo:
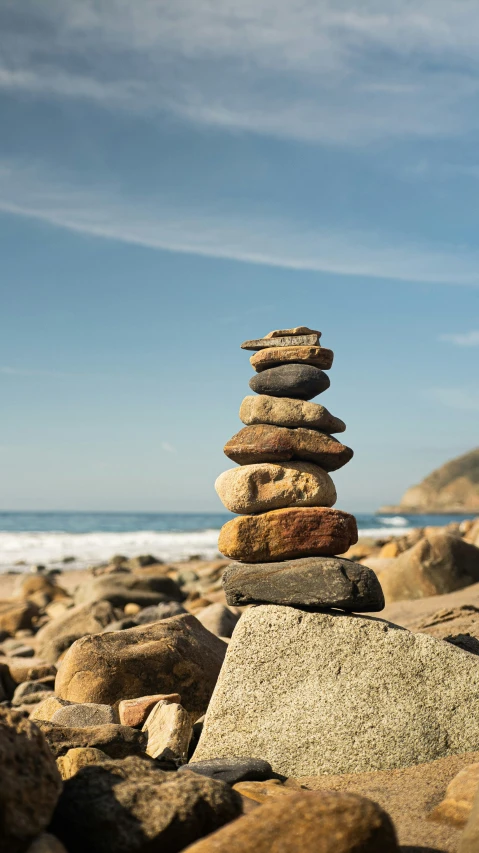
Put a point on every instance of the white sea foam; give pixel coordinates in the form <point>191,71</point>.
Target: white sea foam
<point>51,548</point>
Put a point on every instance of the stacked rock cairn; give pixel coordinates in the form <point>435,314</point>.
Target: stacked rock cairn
<point>286,535</point>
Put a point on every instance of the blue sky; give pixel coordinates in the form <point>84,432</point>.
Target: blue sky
<point>177,177</point>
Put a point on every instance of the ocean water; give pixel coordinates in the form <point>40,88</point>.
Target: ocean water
<point>80,539</point>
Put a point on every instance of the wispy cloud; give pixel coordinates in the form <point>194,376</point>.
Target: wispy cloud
<point>267,240</point>
<point>167,447</point>
<point>462,399</point>
<point>462,339</point>
<point>313,70</point>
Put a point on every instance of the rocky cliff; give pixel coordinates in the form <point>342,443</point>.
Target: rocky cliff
<point>452,488</point>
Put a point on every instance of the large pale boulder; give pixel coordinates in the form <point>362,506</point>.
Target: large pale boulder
<point>286,412</point>
<point>59,634</point>
<point>264,486</point>
<point>437,564</point>
<point>174,655</point>
<point>329,693</point>
<point>30,783</point>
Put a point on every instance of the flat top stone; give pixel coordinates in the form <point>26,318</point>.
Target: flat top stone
<point>312,581</point>
<point>297,330</point>
<point>316,693</point>
<point>271,357</point>
<point>285,341</point>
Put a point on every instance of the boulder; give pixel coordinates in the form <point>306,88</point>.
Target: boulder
<point>34,584</point>
<point>86,714</point>
<point>455,809</point>
<point>28,669</point>
<point>59,634</point>
<point>30,783</point>
<point>123,588</point>
<point>7,684</point>
<point>15,615</point>
<point>308,822</point>
<point>310,582</point>
<point>133,712</point>
<point>264,486</point>
<point>281,411</point>
<point>79,757</point>
<point>266,443</point>
<point>285,534</point>
<point>274,356</point>
<point>457,625</point>
<point>47,708</point>
<point>437,564</point>
<point>470,837</point>
<point>300,381</point>
<point>134,806</point>
<point>174,655</point>
<point>218,619</point>
<point>231,770</point>
<point>331,693</point>
<point>117,741</point>
<point>164,610</point>
<point>169,730</point>
<point>29,688</point>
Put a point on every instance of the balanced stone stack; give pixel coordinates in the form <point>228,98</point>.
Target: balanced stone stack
<point>286,533</point>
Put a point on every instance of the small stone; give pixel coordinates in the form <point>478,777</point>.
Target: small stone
<point>46,843</point>
<point>131,609</point>
<point>312,582</point>
<point>164,610</point>
<point>470,837</point>
<point>285,534</point>
<point>281,411</point>
<point>116,741</point>
<point>263,486</point>
<point>266,443</point>
<point>28,688</point>
<point>300,381</point>
<point>59,634</point>
<point>169,729</point>
<point>218,619</point>
<point>310,822</point>
<point>455,809</point>
<point>133,712</point>
<point>132,806</point>
<point>15,615</point>
<point>28,669</point>
<point>298,330</point>
<point>86,714</point>
<point>284,341</point>
<point>121,589</point>
<point>47,708</point>
<point>79,757</point>
<point>272,357</point>
<point>232,770</point>
<point>30,783</point>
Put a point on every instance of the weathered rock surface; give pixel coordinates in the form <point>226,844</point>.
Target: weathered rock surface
<point>310,582</point>
<point>308,822</point>
<point>30,783</point>
<point>133,712</point>
<point>438,564</point>
<point>33,584</point>
<point>470,838</point>
<point>283,341</point>
<point>86,714</point>
<point>117,741</point>
<point>231,770</point>
<point>281,411</point>
<point>284,534</point>
<point>328,693</point>
<point>28,688</point>
<point>218,619</point>
<point>456,807</point>
<point>267,443</point>
<point>454,487</point>
<point>133,806</point>
<point>59,634</point>
<point>124,587</point>
<point>47,708</point>
<point>78,757</point>
<point>272,357</point>
<point>264,486</point>
<point>174,655</point>
<point>169,730</point>
<point>297,330</point>
<point>15,615</point>
<point>457,625</point>
<point>301,381</point>
<point>28,669</point>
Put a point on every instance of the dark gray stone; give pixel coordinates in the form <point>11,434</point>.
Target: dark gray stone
<point>317,582</point>
<point>232,770</point>
<point>121,589</point>
<point>300,381</point>
<point>117,741</point>
<point>285,341</point>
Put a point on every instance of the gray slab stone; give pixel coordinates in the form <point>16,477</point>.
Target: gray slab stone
<point>310,582</point>
<point>299,381</point>
<point>285,341</point>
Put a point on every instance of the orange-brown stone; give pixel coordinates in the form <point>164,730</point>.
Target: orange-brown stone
<point>285,534</point>
<point>272,356</point>
<point>268,443</point>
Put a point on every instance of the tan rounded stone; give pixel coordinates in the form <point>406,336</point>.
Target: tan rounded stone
<point>272,356</point>
<point>283,534</point>
<point>287,412</point>
<point>266,443</point>
<point>265,486</point>
<point>78,757</point>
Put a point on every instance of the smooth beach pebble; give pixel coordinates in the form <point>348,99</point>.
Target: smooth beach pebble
<point>317,356</point>
<point>264,486</point>
<point>266,443</point>
<point>302,381</point>
<point>283,534</point>
<point>283,411</point>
